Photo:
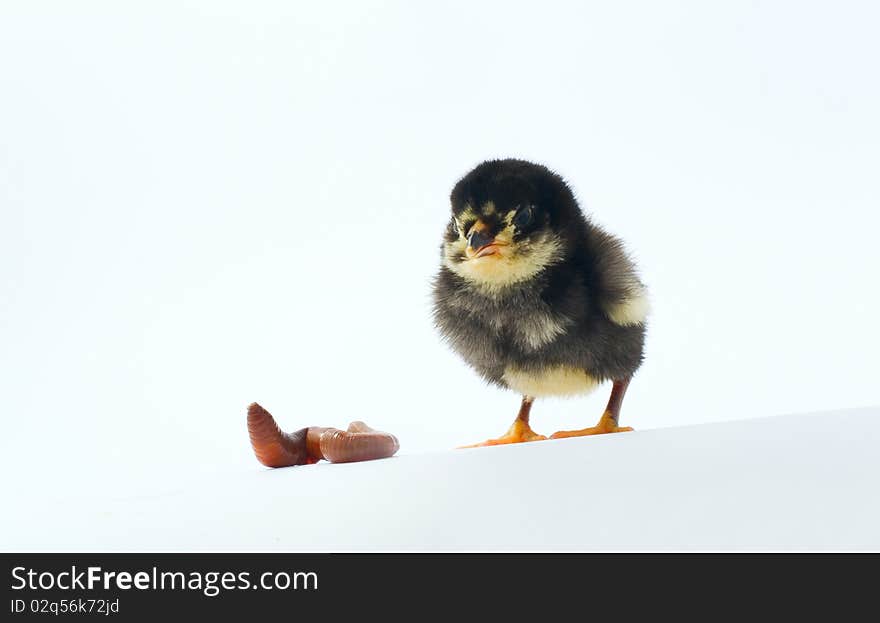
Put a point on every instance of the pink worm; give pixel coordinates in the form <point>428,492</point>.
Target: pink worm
<point>275,448</point>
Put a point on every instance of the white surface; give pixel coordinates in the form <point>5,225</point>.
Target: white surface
<point>203,204</point>
<point>806,482</point>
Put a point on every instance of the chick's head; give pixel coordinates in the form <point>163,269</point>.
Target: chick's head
<point>510,220</point>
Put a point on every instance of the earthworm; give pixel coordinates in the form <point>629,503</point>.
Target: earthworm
<point>275,448</point>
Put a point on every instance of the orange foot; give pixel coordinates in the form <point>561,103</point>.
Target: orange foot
<point>605,425</point>
<point>519,432</point>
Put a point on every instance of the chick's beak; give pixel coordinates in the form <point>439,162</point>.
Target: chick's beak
<point>480,244</point>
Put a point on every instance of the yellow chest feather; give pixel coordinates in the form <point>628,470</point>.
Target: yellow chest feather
<point>555,381</point>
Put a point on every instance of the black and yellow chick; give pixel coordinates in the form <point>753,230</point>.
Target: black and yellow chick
<point>534,296</point>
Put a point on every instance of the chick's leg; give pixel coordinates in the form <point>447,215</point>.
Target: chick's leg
<point>519,431</point>
<point>608,421</point>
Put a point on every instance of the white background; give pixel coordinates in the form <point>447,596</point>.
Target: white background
<point>208,204</point>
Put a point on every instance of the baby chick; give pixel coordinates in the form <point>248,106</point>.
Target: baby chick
<point>535,297</point>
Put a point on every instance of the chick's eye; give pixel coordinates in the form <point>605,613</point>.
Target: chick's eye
<point>523,217</point>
